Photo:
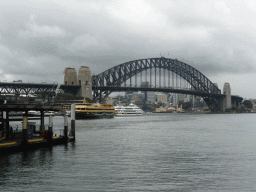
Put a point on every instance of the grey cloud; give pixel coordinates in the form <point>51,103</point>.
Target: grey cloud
<point>43,41</point>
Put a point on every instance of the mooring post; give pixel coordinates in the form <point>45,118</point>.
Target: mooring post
<point>42,121</point>
<point>7,125</point>
<point>49,132</point>
<point>4,123</point>
<point>73,123</point>
<point>66,128</point>
<point>1,125</point>
<point>25,130</point>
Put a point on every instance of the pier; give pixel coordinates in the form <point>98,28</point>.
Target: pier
<point>30,137</point>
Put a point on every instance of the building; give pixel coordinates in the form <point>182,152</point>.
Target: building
<point>138,96</point>
<point>175,99</point>
<point>162,98</point>
<point>151,96</point>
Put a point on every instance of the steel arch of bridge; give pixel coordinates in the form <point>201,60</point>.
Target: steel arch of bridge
<point>119,74</point>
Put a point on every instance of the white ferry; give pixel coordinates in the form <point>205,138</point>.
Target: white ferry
<point>130,110</point>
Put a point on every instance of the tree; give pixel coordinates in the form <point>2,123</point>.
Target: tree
<point>68,96</point>
<point>145,107</point>
<point>42,94</point>
<point>185,105</point>
<point>88,100</point>
<point>247,104</point>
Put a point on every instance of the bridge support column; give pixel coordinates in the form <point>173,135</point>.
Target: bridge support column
<point>25,129</point>
<point>85,81</point>
<point>214,103</point>
<point>227,100</point>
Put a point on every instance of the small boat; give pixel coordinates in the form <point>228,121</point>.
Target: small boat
<point>49,113</point>
<point>130,110</point>
<point>68,113</point>
<point>34,113</point>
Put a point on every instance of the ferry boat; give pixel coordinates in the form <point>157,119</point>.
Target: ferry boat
<point>94,110</point>
<point>130,110</point>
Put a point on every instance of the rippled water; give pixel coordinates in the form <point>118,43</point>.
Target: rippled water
<point>155,152</point>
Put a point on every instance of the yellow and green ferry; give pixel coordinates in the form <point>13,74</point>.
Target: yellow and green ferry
<point>94,110</point>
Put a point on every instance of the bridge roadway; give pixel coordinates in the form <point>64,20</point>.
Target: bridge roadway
<point>159,89</point>
<point>31,88</point>
<point>234,98</point>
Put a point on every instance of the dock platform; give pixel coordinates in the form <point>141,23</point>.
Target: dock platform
<point>41,138</point>
<point>10,146</point>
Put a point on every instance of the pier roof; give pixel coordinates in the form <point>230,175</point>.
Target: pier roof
<point>27,107</point>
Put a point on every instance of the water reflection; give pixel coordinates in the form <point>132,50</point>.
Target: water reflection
<point>16,168</point>
<point>151,153</point>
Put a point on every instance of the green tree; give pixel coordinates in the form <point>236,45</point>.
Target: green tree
<point>88,100</point>
<point>185,105</point>
<point>145,107</point>
<point>68,96</point>
<point>42,94</point>
<point>247,104</point>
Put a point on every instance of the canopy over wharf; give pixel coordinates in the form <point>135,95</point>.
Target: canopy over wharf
<point>7,108</point>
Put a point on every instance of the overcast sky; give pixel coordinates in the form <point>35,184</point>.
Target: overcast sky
<point>38,39</point>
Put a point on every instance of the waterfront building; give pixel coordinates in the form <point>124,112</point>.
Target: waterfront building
<point>150,95</point>
<point>162,98</point>
<point>181,98</point>
<point>128,95</point>
<point>138,96</point>
<point>175,99</point>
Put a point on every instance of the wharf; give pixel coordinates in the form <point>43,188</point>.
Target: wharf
<point>12,145</point>
<point>30,138</point>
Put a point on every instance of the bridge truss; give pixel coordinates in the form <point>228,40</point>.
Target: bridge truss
<point>32,88</point>
<point>155,70</point>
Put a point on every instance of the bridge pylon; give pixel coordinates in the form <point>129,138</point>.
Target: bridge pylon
<point>85,81</point>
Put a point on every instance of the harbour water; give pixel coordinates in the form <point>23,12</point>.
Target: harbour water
<point>154,152</point>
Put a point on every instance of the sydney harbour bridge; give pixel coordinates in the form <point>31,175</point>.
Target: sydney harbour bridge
<point>162,74</point>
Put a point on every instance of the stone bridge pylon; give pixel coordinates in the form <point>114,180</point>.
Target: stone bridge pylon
<point>84,80</point>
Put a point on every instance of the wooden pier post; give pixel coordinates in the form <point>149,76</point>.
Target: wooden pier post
<point>73,123</point>
<point>49,132</point>
<point>66,127</point>
<point>25,130</point>
<point>1,125</point>
<point>42,121</point>
<point>4,123</point>
<point>7,124</point>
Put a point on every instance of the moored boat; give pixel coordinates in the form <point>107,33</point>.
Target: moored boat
<point>130,110</point>
<point>49,113</point>
<point>94,110</point>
